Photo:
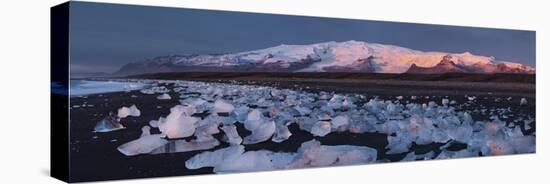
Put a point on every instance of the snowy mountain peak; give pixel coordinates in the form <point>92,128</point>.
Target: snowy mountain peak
<point>352,56</point>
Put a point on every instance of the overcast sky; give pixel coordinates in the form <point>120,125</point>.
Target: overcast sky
<point>106,36</point>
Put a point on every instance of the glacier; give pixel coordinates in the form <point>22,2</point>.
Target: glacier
<point>347,56</point>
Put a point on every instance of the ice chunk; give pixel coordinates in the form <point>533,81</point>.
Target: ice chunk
<point>321,128</point>
<point>461,134</point>
<point>261,133</point>
<point>231,134</point>
<point>445,154</point>
<point>221,106</point>
<point>254,115</point>
<point>391,108</point>
<point>405,121</point>
<point>155,89</point>
<point>281,134</point>
<point>145,131</point>
<point>248,161</point>
<point>523,101</point>
<point>178,123</point>
<point>194,101</point>
<point>241,113</point>
<point>143,145</point>
<point>234,159</point>
<point>214,158</point>
<point>440,136</point>
<point>124,112</point>
<point>310,154</point>
<point>497,147</point>
<point>347,104</point>
<point>493,127</point>
<point>523,144</point>
<point>206,130</point>
<point>280,159</point>
<point>445,101</point>
<point>409,157</point>
<point>253,119</point>
<point>335,102</point>
<point>164,96</point>
<point>155,123</point>
<point>515,132</point>
<point>305,123</point>
<point>399,144</point>
<point>107,124</point>
<point>303,110</point>
<point>281,116</point>
<point>181,145</point>
<point>341,120</point>
<point>313,154</point>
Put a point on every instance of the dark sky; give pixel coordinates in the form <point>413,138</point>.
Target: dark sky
<point>107,36</point>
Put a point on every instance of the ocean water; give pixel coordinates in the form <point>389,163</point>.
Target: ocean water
<point>88,87</point>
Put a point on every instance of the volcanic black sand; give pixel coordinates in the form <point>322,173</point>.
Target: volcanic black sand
<point>94,156</point>
<point>374,83</point>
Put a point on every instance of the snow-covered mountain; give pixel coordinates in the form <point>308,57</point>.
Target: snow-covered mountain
<point>349,56</point>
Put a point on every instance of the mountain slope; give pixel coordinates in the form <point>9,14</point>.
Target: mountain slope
<point>446,65</point>
<point>349,56</point>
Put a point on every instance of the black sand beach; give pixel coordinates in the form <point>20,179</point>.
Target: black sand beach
<point>94,156</point>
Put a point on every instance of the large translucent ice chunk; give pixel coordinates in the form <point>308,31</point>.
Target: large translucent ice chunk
<point>178,123</point>
<point>164,96</point>
<point>336,102</point>
<point>124,112</point>
<point>523,144</point>
<point>440,136</point>
<point>339,121</point>
<point>445,101</point>
<point>205,130</point>
<point>221,106</point>
<point>261,133</point>
<point>253,119</point>
<point>181,145</point>
<point>321,128</point>
<point>214,158</point>
<point>234,159</point>
<point>107,124</point>
<point>143,145</point>
<point>497,147</point>
<point>281,134</point>
<point>241,113</point>
<point>145,131</point>
<point>155,123</point>
<point>523,101</point>
<point>461,134</point>
<point>313,154</point>
<point>302,110</point>
<point>305,123</point>
<point>399,144</point>
<point>248,161</point>
<point>231,134</point>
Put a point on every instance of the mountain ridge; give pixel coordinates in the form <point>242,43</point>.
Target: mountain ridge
<point>348,56</point>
